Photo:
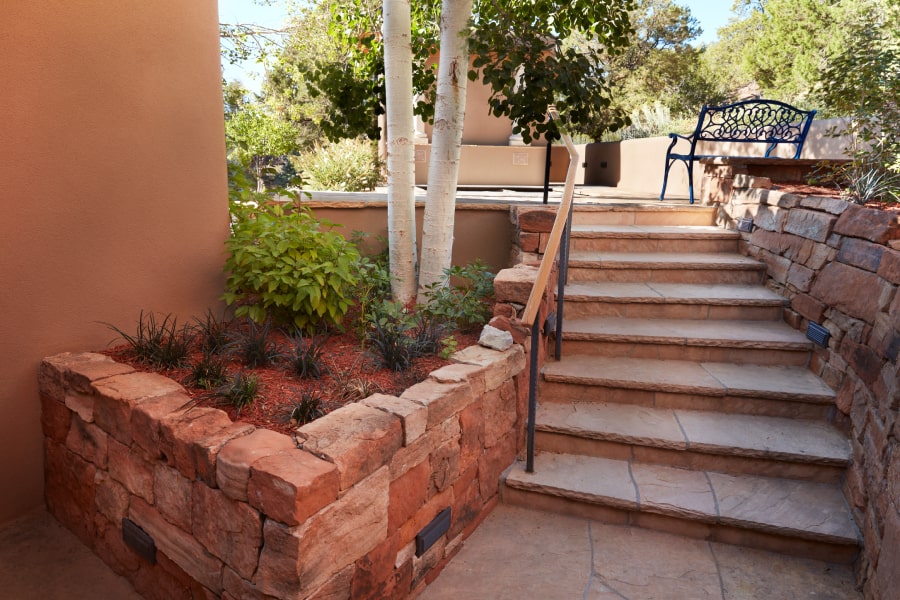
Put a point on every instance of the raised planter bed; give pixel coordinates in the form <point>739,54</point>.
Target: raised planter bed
<point>218,509</point>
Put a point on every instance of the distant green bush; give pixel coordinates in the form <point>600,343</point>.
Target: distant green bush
<point>347,166</point>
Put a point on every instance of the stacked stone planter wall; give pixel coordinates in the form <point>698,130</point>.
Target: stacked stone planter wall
<point>240,512</point>
<point>839,264</point>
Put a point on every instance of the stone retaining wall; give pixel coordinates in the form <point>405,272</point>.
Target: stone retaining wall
<point>240,512</point>
<point>839,264</point>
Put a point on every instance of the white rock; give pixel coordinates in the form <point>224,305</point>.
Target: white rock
<point>491,337</point>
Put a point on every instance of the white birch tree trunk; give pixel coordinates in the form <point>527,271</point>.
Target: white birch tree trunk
<point>401,173</point>
<point>446,137</point>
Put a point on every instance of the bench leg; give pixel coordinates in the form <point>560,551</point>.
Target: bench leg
<point>662,194</point>
<point>690,168</point>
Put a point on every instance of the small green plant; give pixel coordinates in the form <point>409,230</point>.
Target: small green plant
<point>253,345</point>
<point>157,343</point>
<point>286,265</point>
<point>350,165</point>
<point>307,358</point>
<point>209,372</point>
<point>211,332</point>
<point>463,299</point>
<point>373,285</point>
<point>310,407</point>
<point>870,185</point>
<point>448,347</point>
<point>239,391</point>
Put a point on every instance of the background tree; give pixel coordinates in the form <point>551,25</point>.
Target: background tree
<point>255,137</point>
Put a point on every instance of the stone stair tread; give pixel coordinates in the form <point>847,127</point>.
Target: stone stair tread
<point>687,332</point>
<point>686,232</point>
<point>662,293</point>
<point>800,509</point>
<point>691,377</point>
<point>774,438</point>
<point>662,260</point>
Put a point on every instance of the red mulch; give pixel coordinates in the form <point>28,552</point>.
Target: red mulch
<point>352,374</point>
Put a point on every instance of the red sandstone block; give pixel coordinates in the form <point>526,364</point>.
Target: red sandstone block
<point>471,440</point>
<point>173,493</point>
<point>869,224</point>
<point>424,516</point>
<point>861,253</point>
<point>89,442</point>
<point>341,533</point>
<point>444,467</point>
<point>499,366</point>
<point>230,530</point>
<point>889,268</point>
<point>407,494</point>
<point>131,470</point>
<point>461,373</point>
<point>537,220</point>
<point>55,419</point>
<point>492,464</point>
<point>837,286</point>
<point>206,450</point>
<point>514,285</point>
<point>808,307</point>
<point>116,397</point>
<point>442,400</point>
<point>292,485</point>
<point>358,439</point>
<point>408,457</point>
<point>111,497</point>
<point>179,431</point>
<point>146,418</point>
<point>76,371</point>
<point>179,546</point>
<point>499,413</point>
<point>237,456</point>
<point>467,501</point>
<point>413,416</point>
<point>529,242</point>
<point>111,548</point>
<point>69,490</point>
<point>377,576</point>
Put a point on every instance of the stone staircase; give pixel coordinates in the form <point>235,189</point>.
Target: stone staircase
<point>682,401</point>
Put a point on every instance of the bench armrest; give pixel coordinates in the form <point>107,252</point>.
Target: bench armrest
<point>675,137</point>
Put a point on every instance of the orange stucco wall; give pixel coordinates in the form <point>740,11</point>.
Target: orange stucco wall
<point>112,183</point>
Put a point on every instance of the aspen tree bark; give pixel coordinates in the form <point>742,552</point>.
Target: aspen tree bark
<point>401,174</point>
<point>443,170</point>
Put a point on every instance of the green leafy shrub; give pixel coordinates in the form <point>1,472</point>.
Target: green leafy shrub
<point>373,285</point>
<point>463,299</point>
<point>157,343</point>
<point>351,165</point>
<point>286,265</point>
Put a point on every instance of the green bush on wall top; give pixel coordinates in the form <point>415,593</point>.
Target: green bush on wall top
<point>285,264</point>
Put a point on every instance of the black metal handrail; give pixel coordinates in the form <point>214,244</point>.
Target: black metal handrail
<point>558,241</point>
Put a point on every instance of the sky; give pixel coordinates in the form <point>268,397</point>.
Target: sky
<point>712,14</point>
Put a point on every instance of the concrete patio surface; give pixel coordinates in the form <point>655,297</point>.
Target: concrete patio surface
<point>516,554</point>
<point>519,553</point>
<point>42,560</point>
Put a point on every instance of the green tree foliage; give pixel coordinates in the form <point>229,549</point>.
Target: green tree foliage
<point>659,67</point>
<point>526,71</point>
<point>254,136</point>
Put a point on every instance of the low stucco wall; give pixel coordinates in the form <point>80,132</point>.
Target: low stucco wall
<point>839,264</point>
<point>638,165</point>
<point>512,166</point>
<point>240,512</point>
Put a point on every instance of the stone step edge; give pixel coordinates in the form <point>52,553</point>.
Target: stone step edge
<point>674,388</point>
<point>617,264</point>
<point>598,297</point>
<point>706,342</point>
<point>760,452</point>
<point>678,512</point>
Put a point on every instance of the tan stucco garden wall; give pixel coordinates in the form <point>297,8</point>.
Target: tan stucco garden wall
<point>112,160</point>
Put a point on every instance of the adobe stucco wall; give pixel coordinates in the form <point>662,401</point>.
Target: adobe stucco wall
<point>839,264</point>
<point>112,164</point>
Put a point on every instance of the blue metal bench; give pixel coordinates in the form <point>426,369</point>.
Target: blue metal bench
<point>760,121</point>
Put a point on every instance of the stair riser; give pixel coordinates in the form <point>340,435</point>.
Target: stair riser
<point>698,461</point>
<point>578,273</point>
<point>550,391</point>
<point>687,216</point>
<point>758,356</point>
<point>660,310</point>
<point>824,551</point>
<point>619,244</point>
